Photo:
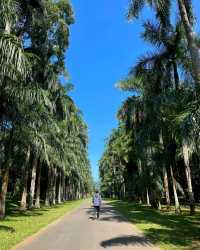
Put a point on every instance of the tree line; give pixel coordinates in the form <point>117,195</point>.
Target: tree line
<point>153,155</point>
<point>43,149</point>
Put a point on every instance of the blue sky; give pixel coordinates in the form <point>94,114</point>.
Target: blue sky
<point>103,47</point>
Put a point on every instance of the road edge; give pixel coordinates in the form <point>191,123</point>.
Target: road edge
<point>30,238</point>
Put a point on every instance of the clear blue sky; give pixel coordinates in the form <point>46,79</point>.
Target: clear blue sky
<point>103,47</point>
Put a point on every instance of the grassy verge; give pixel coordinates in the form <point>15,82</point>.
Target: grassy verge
<point>165,229</point>
<point>19,225</point>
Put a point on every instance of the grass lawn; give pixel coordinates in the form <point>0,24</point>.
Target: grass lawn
<point>165,229</point>
<point>19,225</point>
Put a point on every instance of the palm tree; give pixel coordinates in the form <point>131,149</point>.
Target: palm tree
<point>13,59</point>
<point>39,121</point>
<point>162,9</point>
<point>14,69</point>
<point>169,59</point>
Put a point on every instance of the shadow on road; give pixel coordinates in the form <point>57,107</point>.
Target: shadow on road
<point>92,218</point>
<point>126,240</point>
<point>106,214</point>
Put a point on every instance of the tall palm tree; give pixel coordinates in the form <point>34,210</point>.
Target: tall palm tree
<point>39,120</point>
<point>163,9</point>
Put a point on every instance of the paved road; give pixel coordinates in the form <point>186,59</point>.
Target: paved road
<point>81,231</point>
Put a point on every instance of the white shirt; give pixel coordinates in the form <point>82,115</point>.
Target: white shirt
<point>97,200</point>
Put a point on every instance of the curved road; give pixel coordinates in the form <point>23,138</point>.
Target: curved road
<point>81,231</point>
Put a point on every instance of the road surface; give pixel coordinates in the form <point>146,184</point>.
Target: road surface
<point>81,231</point>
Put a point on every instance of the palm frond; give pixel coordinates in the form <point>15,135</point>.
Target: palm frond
<point>9,12</point>
<point>13,62</point>
<point>148,62</point>
<point>133,84</point>
<point>135,8</point>
<point>152,33</point>
<point>163,8</point>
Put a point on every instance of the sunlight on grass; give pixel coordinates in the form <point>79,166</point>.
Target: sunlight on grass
<point>165,229</point>
<point>19,225</point>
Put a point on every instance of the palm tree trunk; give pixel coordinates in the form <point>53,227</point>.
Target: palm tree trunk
<point>159,205</point>
<point>48,189</point>
<point>33,180</point>
<point>166,187</point>
<point>77,191</point>
<point>5,175</point>
<point>23,202</point>
<point>64,189</point>
<point>73,191</point>
<point>191,38</point>
<point>37,200</point>
<point>7,27</point>
<point>67,188</point>
<point>3,192</point>
<point>177,205</point>
<point>59,187</point>
<point>165,177</point>
<point>188,177</point>
<point>67,192</point>
<point>148,201</point>
<point>54,185</point>
<point>62,185</point>
<point>25,173</point>
<point>176,76</point>
<point>140,173</point>
<point>123,190</point>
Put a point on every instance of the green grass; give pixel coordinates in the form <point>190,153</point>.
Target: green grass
<point>19,225</point>
<point>165,229</point>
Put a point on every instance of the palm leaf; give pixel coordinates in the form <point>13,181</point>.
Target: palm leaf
<point>9,11</point>
<point>13,62</point>
<point>135,8</point>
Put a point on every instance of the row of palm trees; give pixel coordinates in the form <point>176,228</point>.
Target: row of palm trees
<point>43,149</point>
<point>153,155</point>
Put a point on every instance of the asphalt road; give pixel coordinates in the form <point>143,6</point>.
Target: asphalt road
<point>81,231</point>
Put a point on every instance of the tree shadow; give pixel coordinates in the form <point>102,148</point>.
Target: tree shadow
<point>126,240</point>
<point>14,213</point>
<point>7,229</point>
<point>13,209</point>
<point>92,218</point>
<point>169,228</point>
<point>117,218</point>
<point>107,213</point>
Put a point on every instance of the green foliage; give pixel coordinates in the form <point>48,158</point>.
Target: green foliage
<point>159,119</point>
